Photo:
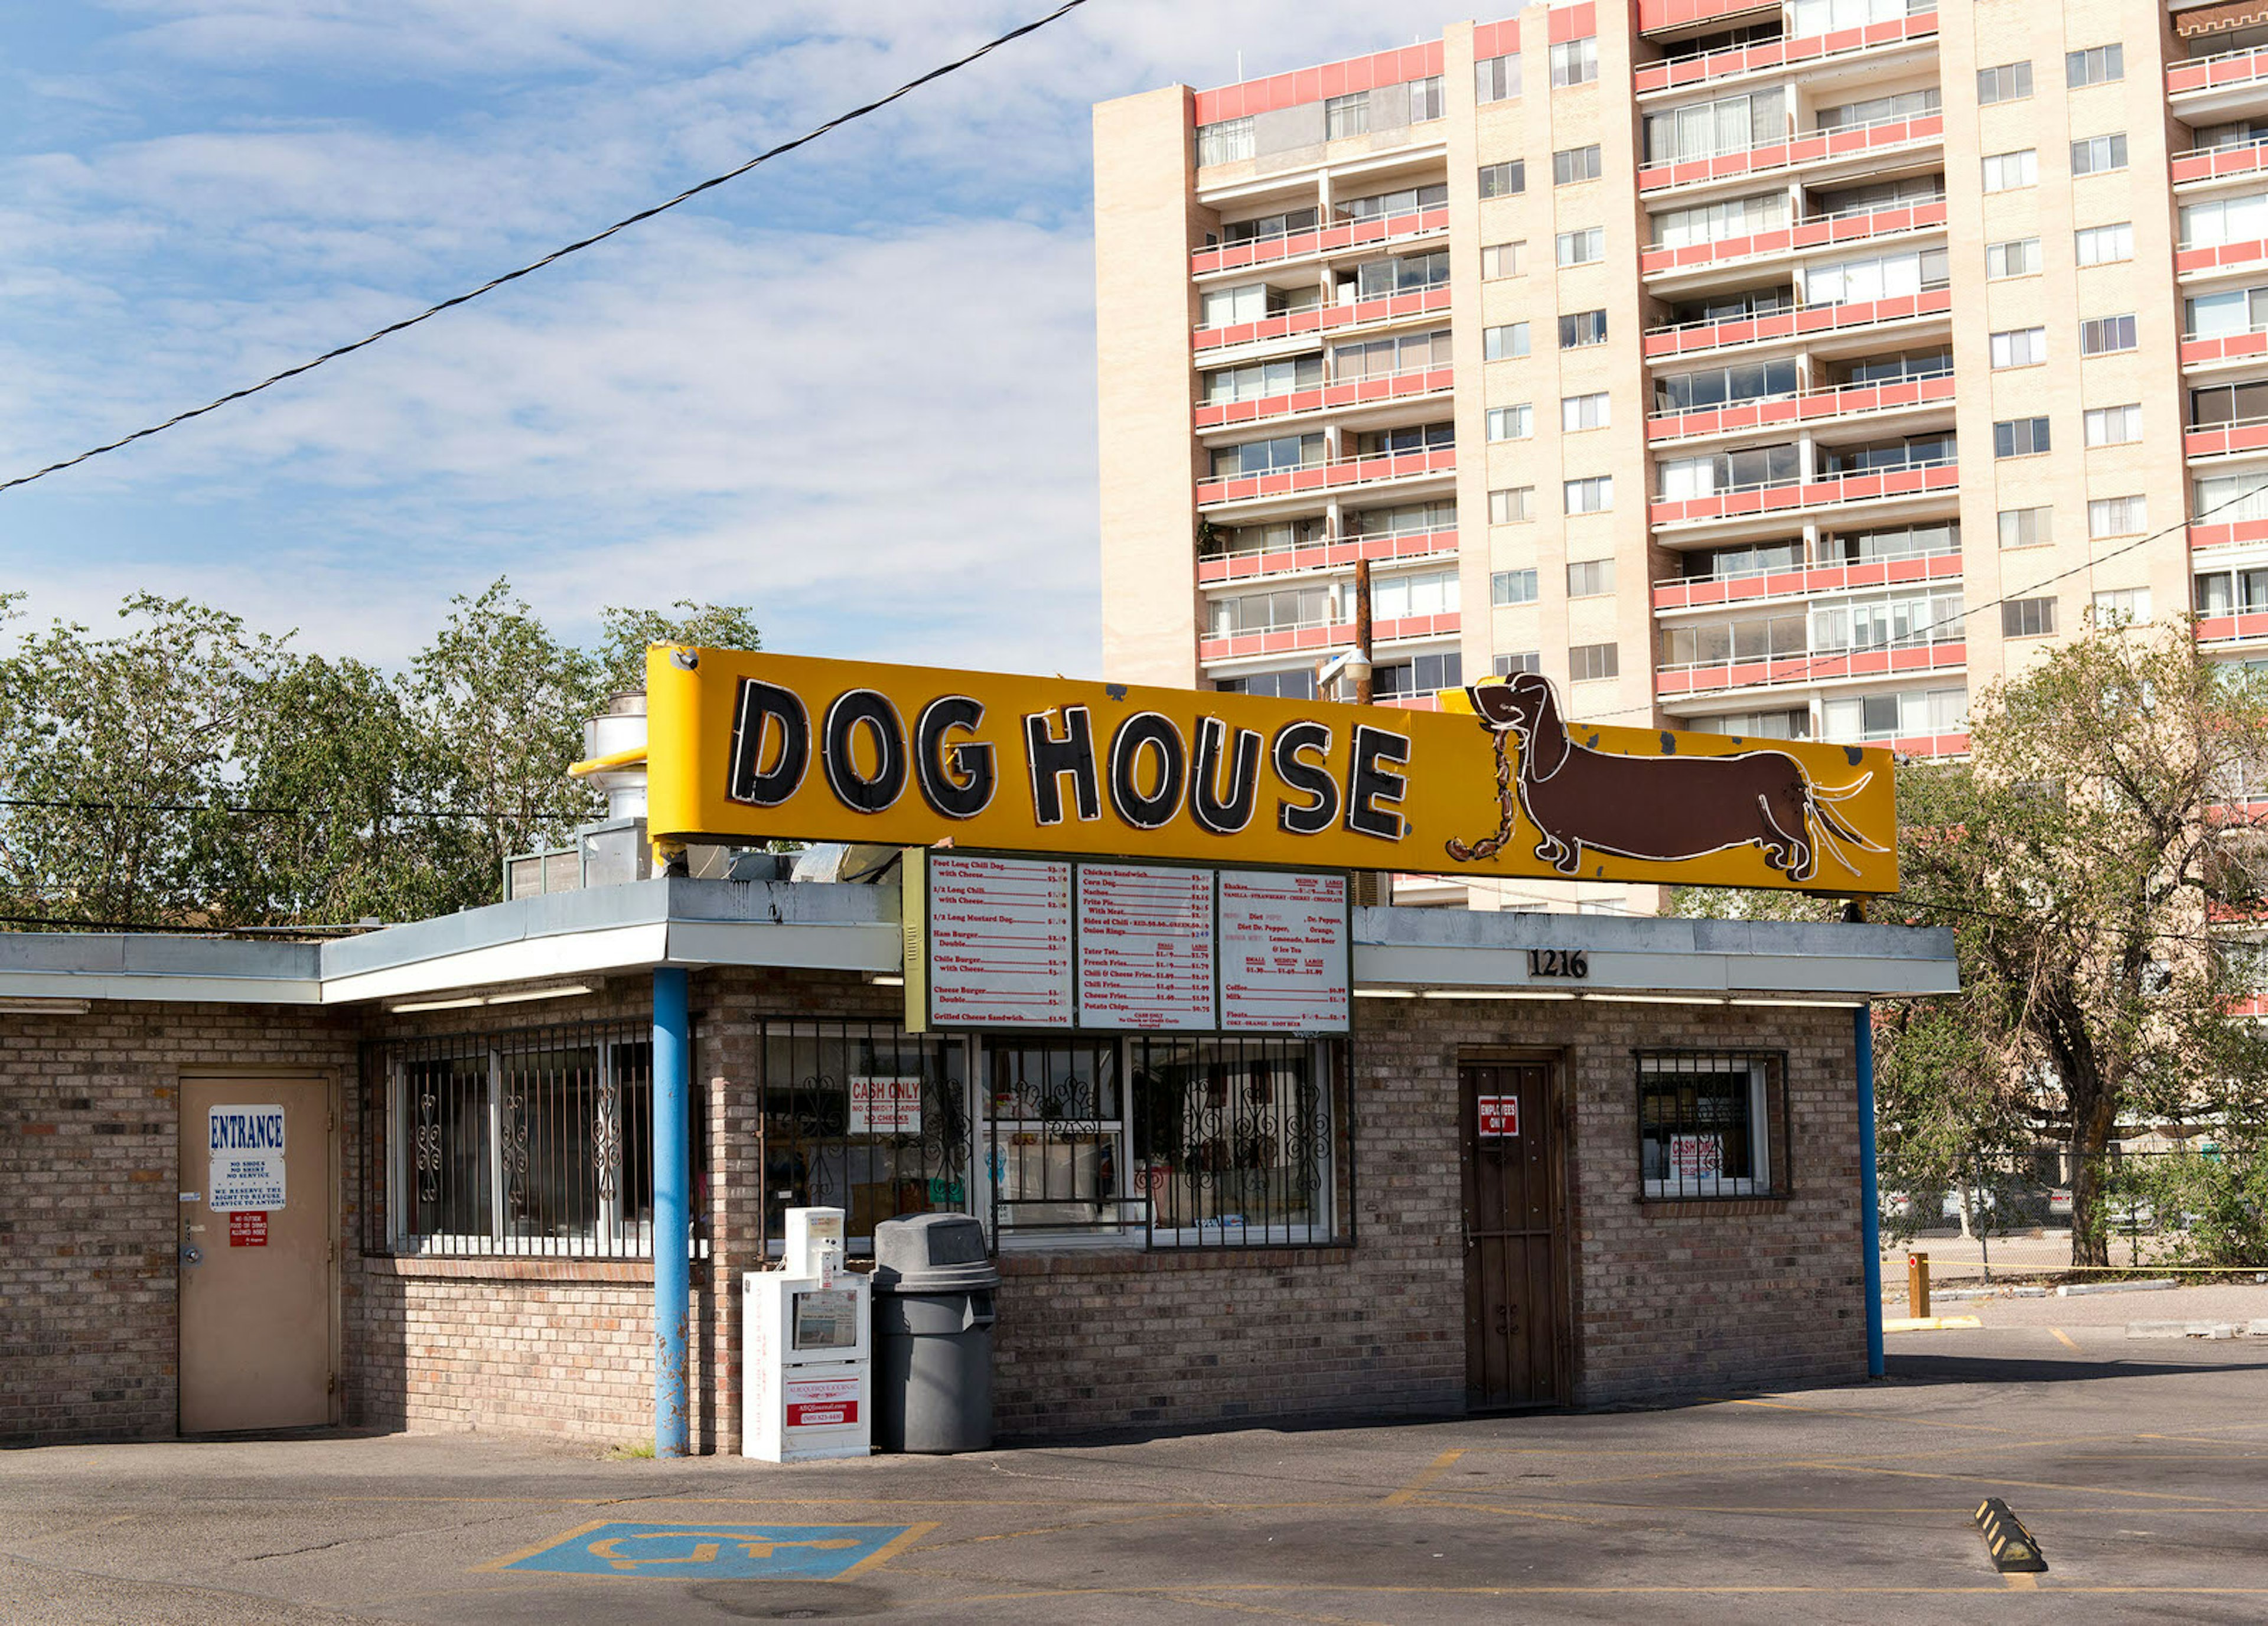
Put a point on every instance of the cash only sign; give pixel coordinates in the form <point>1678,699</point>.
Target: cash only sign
<point>1498,781</point>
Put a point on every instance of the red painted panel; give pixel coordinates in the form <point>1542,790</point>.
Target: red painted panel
<point>1306,85</point>
<point>1574,22</point>
<point>1496,39</point>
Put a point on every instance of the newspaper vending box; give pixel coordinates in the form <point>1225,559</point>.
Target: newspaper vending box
<point>805,1349</point>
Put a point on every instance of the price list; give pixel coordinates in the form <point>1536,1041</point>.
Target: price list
<point>999,941</point>
<point>1146,956</point>
<point>1283,953</point>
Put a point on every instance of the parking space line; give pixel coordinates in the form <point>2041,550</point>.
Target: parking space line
<point>1997,1479</point>
<point>887,1550</point>
<point>1443,1499</point>
<point>2064,1338</point>
<point>1438,1466</point>
<point>1874,1416</point>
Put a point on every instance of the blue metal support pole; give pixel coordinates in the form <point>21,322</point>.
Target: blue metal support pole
<point>673,1186</point>
<point>1870,1202</point>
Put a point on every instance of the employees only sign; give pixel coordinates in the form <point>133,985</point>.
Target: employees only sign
<point>1500,1117</point>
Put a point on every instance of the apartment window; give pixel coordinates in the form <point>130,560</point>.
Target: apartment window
<point>1387,358</point>
<point>1263,379</point>
<point>1710,1123</point>
<point>1513,587</point>
<point>2117,516</point>
<point>1511,423</point>
<point>2021,347</point>
<point>2008,82</point>
<point>1414,437</point>
<point>1591,495</point>
<point>1718,386</point>
<point>1590,578</point>
<point>1261,457</point>
<point>2122,606</point>
<point>1582,328</point>
<point>1518,661</point>
<point>1588,662</point>
<point>1584,247</point>
<point>1347,115</point>
<point>2226,592</point>
<point>1684,478</point>
<point>1584,411</point>
<point>1432,593</point>
<point>1401,201</point>
<point>1512,505</point>
<point>2019,256</point>
<point>2004,171</point>
<point>1878,110</point>
<point>2229,403</point>
<point>2105,245</point>
<point>1504,180</point>
<point>1402,519</point>
<point>1574,164</point>
<point>1790,724</point>
<point>1876,277</point>
<point>1420,674</point>
<point>2240,219</point>
<point>1225,143</point>
<point>2105,334</point>
<point>1714,223</point>
<point>1282,224</point>
<point>1496,79</point>
<point>1808,17</point>
<point>1908,714</point>
<point>1574,61</point>
<point>1504,342</point>
<point>2098,64</point>
<point>2218,315</point>
<point>1285,610</point>
<point>1298,683</point>
<point>1710,128</point>
<point>2227,498</point>
<point>2020,437</point>
<point>1374,279</point>
<point>2114,426</point>
<point>1222,541</point>
<point>1499,260</point>
<point>2097,155</point>
<point>2028,618</point>
<point>1426,102</point>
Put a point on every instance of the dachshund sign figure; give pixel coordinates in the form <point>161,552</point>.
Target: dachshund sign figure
<point>1665,809</point>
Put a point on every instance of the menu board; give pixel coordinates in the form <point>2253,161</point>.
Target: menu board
<point>1145,947</point>
<point>1283,953</point>
<point>999,942</point>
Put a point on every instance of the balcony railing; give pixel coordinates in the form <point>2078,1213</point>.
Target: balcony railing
<point>1771,412</point>
<point>2246,346</point>
<point>2207,257</point>
<point>1782,670</point>
<point>1325,318</point>
<point>1782,52</point>
<point>1321,635</point>
<point>2227,532</point>
<point>2219,72</point>
<point>1739,502</point>
<point>1318,239</point>
<point>1354,392</point>
<point>1846,225</point>
<point>1332,552</point>
<point>1817,147</point>
<point>1687,592</point>
<point>2217,163</point>
<point>2243,627</point>
<point>1328,475</point>
<point>2226,440</point>
<point>1689,338</point>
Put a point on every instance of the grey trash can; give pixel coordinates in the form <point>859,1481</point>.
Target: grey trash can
<point>933,1284</point>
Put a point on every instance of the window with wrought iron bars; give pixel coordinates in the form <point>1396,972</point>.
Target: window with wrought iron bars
<point>1712,1123</point>
<point>864,1117</point>
<point>534,1141</point>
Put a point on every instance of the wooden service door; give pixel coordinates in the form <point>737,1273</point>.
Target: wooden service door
<point>1516,1350</point>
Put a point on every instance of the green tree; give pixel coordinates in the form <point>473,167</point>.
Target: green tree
<point>627,632</point>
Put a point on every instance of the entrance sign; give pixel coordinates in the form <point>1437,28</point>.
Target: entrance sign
<point>247,1157</point>
<point>1283,953</point>
<point>1146,948</point>
<point>745,746</point>
<point>1499,1116</point>
<point>999,941</point>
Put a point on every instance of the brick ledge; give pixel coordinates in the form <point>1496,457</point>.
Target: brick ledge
<point>631,1270</point>
<point>1720,1208</point>
<point>1127,1262</point>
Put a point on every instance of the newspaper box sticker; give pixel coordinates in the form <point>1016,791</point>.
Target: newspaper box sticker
<point>247,1157</point>
<point>1499,1116</point>
<point>247,1228</point>
<point>822,1402</point>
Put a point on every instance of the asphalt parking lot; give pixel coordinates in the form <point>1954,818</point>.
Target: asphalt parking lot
<point>2137,1465</point>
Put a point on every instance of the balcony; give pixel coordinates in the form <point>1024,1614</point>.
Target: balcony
<point>1336,552</point>
<point>2227,533</point>
<point>1321,635</point>
<point>2210,259</point>
<point>1769,53</point>
<point>1814,406</point>
<point>1743,502</point>
<point>1693,592</point>
<point>2226,440</point>
<point>1817,147</point>
<point>2244,627</point>
<point>1786,671</point>
<point>2205,164</point>
<point>1431,461</point>
<point>2215,79</point>
<point>1356,393</point>
<point>1691,338</point>
<point>1850,225</point>
<point>1319,240</point>
<point>1325,319</point>
<point>2225,348</point>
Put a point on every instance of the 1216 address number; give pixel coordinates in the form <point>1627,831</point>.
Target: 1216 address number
<point>1569,962</point>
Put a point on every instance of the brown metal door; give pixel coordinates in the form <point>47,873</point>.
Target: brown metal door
<point>1514,1348</point>
<point>255,1167</point>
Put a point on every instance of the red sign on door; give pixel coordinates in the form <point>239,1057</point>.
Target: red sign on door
<point>247,1228</point>
<point>1500,1116</point>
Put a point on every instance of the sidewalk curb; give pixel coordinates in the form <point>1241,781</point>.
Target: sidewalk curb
<point>2188,1329</point>
<point>2073,1290</point>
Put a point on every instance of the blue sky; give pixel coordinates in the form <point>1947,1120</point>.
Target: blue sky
<point>853,389</point>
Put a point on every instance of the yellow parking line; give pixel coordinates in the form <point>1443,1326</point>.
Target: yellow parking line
<point>1438,1466</point>
<point>2063,1337</point>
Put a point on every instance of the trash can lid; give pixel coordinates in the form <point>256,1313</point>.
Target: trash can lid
<point>932,1252</point>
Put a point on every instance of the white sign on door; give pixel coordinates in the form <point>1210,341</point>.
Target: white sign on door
<point>247,1143</point>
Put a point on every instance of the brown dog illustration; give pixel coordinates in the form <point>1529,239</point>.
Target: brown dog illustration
<point>1662,808</point>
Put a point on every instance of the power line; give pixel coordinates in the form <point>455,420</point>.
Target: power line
<point>69,804</point>
<point>77,925</point>
<point>910,85</point>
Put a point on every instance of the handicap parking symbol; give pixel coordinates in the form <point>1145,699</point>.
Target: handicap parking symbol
<point>717,1552</point>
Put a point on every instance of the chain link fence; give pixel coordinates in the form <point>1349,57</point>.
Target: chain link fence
<point>2199,1208</point>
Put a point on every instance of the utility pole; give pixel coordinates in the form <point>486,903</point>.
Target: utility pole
<point>1362,674</point>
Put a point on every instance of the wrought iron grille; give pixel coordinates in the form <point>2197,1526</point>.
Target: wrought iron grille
<point>1056,1141</point>
<point>1234,1140</point>
<point>1712,1123</point>
<point>531,1141</point>
<point>863,1117</point>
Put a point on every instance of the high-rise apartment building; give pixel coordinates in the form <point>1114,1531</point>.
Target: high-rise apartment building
<point>1788,371</point>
